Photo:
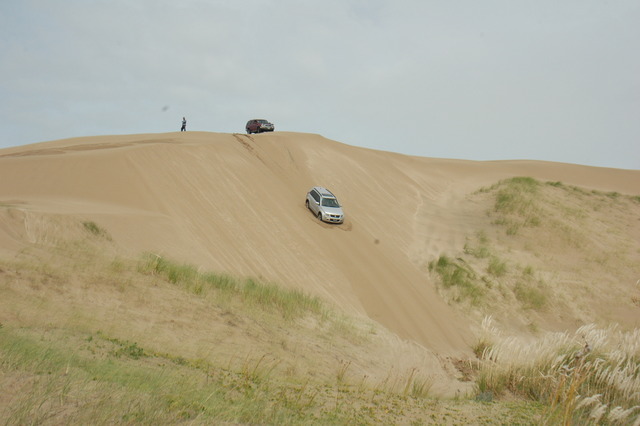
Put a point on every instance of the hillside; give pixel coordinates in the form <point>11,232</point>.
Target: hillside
<point>430,247</point>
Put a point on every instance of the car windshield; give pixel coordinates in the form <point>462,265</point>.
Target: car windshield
<point>263,122</point>
<point>330,202</point>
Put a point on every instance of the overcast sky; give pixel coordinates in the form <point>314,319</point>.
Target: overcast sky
<point>555,80</point>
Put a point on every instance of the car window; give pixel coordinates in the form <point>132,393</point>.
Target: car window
<point>315,196</point>
<point>330,202</point>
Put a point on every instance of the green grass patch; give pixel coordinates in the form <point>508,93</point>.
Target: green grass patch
<point>94,229</point>
<point>514,195</point>
<point>481,249</point>
<point>516,203</point>
<point>456,274</point>
<point>614,195</point>
<point>479,252</point>
<point>497,267</point>
<point>528,271</point>
<point>480,347</point>
<point>530,296</point>
<point>65,386</point>
<point>290,303</point>
<point>59,377</point>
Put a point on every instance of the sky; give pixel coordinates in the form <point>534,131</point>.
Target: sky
<point>476,80</point>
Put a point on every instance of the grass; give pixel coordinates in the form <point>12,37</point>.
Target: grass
<point>454,274</point>
<point>477,252</point>
<point>486,338</point>
<point>94,229</point>
<point>480,250</point>
<point>290,303</point>
<point>528,271</point>
<point>515,195</point>
<point>463,284</point>
<point>501,284</point>
<point>497,267</point>
<point>591,376</point>
<point>516,203</point>
<point>76,388</point>
<point>98,379</point>
<point>566,232</point>
<point>530,296</point>
<point>67,363</point>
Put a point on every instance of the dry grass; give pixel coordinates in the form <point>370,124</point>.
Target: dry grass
<point>88,339</point>
<point>590,376</point>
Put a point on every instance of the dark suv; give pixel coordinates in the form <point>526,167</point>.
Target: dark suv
<point>259,126</point>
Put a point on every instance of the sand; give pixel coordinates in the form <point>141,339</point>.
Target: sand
<point>235,203</point>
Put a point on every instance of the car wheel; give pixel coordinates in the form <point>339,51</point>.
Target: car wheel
<point>306,203</point>
<point>320,216</point>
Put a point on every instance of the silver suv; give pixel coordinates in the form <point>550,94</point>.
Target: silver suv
<point>324,205</point>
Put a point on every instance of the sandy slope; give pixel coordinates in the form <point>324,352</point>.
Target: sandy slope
<point>236,203</point>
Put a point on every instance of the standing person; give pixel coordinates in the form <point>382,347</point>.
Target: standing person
<point>184,125</point>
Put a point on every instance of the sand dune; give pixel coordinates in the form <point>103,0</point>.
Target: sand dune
<point>235,203</point>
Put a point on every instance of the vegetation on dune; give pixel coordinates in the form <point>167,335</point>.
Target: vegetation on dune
<point>531,295</point>
<point>495,283</point>
<point>515,203</point>
<point>459,278</point>
<point>65,369</point>
<point>290,303</point>
<point>540,220</point>
<point>103,380</point>
<point>63,377</point>
<point>591,376</point>
<point>521,202</point>
<point>95,229</point>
